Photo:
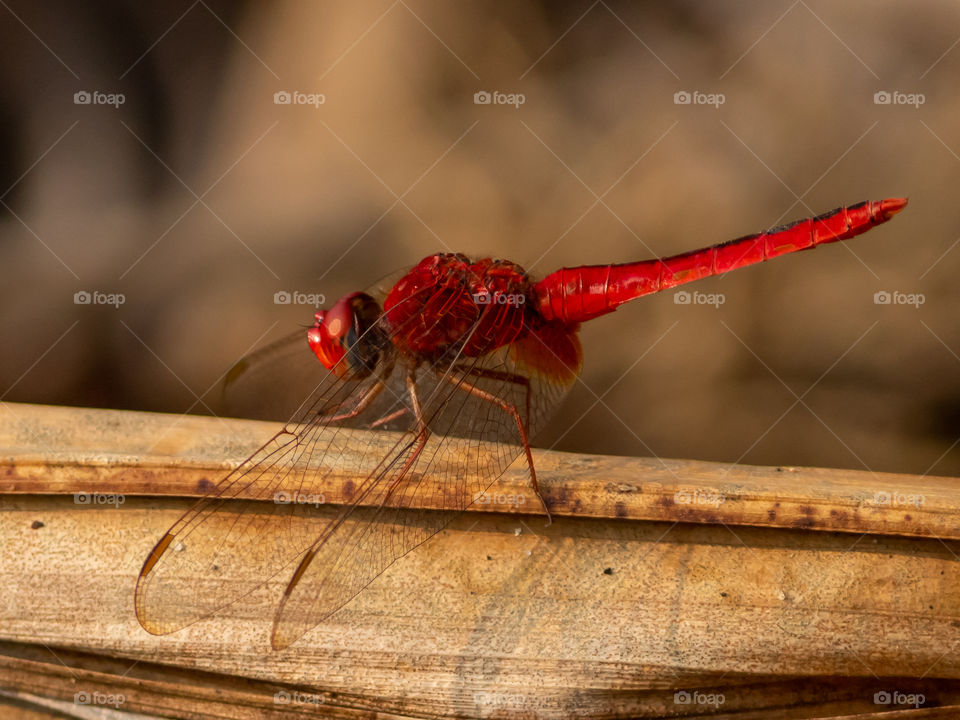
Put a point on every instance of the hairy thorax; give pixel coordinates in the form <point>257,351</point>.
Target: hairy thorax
<point>447,299</point>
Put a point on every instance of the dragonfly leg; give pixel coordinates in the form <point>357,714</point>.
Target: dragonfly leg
<point>501,375</point>
<point>423,434</point>
<point>387,418</point>
<point>362,404</point>
<point>510,409</point>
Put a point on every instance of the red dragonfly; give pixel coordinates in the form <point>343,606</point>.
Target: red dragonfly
<point>466,360</point>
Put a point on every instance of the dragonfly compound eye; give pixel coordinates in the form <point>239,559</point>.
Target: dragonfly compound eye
<point>344,338</point>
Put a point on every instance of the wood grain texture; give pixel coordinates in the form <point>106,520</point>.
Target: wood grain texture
<point>58,450</point>
<point>631,596</point>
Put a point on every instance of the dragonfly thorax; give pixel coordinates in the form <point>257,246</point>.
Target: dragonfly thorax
<point>447,300</point>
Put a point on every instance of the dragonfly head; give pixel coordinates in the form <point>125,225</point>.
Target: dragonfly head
<point>340,338</point>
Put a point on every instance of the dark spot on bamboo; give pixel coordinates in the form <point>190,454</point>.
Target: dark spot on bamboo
<point>804,522</point>
<point>907,517</point>
<point>620,510</point>
<point>772,514</point>
<point>666,501</point>
<point>608,571</point>
<point>808,510</point>
<point>204,485</point>
<point>723,594</point>
<point>348,489</point>
<point>36,525</point>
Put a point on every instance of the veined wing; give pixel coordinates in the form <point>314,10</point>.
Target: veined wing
<point>271,383</point>
<point>251,526</point>
<point>225,547</point>
<point>472,438</point>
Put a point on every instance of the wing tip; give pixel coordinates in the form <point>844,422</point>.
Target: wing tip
<point>158,550</point>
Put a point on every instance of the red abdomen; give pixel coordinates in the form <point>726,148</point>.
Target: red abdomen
<point>446,297</point>
<point>575,295</point>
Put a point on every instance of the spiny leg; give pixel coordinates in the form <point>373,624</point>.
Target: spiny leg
<point>423,433</point>
<point>387,418</point>
<point>501,375</point>
<point>511,410</point>
<point>362,404</point>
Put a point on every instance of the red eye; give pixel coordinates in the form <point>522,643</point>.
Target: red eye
<point>324,343</point>
<point>335,332</point>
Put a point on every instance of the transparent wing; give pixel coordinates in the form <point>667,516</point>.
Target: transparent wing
<point>270,384</point>
<point>255,521</point>
<point>224,548</point>
<point>471,408</point>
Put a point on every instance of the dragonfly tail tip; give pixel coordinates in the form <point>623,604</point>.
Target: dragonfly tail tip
<point>891,206</point>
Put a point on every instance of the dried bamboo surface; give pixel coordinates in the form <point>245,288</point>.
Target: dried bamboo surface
<point>662,588</point>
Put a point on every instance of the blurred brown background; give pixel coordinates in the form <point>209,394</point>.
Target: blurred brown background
<point>302,197</point>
